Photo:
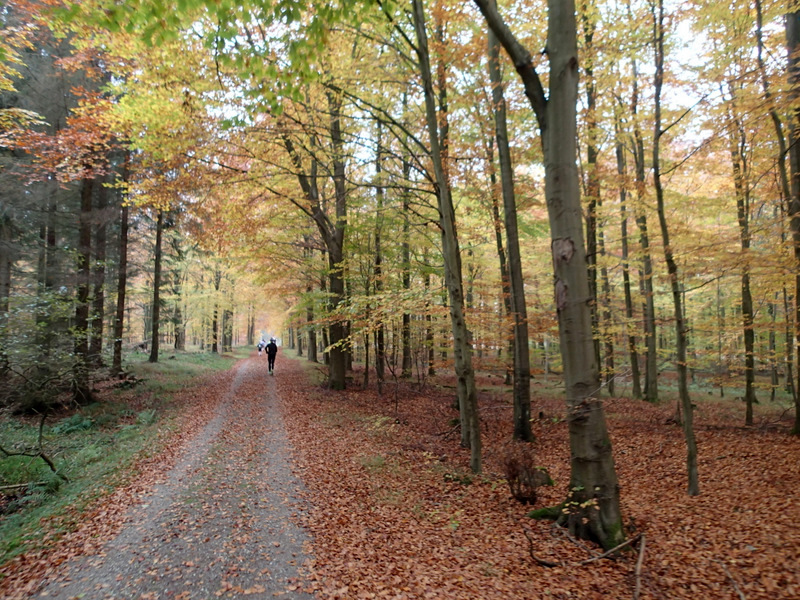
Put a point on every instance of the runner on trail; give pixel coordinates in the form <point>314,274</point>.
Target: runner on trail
<point>261,345</point>
<point>272,351</point>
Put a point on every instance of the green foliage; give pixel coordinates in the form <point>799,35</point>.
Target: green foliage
<point>77,422</point>
<point>550,513</point>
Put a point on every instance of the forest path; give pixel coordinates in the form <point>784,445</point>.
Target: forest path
<point>223,522</point>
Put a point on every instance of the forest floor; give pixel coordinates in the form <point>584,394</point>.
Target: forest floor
<point>388,508</point>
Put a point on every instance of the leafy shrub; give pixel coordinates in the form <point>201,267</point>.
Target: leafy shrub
<point>146,417</point>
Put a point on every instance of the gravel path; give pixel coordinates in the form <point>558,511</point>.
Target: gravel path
<point>222,525</point>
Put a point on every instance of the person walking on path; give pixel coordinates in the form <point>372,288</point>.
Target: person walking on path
<point>272,351</point>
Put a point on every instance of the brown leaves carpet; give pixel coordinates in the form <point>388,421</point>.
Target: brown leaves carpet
<point>394,513</point>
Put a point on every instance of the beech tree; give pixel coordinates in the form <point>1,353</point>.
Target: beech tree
<point>593,478</point>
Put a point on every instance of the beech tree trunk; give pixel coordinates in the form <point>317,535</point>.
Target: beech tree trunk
<point>380,327</point>
<point>593,509</point>
<point>122,283</point>
<point>793,43</point>
<point>737,144</point>
<point>672,266</point>
<point>465,374</point>
<point>622,171</point>
<point>519,309</point>
<point>99,277</point>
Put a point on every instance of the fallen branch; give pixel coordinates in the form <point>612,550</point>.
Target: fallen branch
<point>736,587</point>
<point>19,486</point>
<point>639,562</point>
<point>609,552</point>
<point>541,561</point>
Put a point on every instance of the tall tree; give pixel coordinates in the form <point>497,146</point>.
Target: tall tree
<point>462,349</point>
<point>519,309</point>
<point>687,419</point>
<point>593,480</point>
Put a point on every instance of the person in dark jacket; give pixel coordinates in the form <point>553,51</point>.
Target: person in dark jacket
<point>272,351</point>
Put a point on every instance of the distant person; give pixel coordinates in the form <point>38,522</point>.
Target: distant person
<point>261,345</point>
<point>272,351</point>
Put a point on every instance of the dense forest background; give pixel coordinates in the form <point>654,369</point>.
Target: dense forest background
<point>368,182</point>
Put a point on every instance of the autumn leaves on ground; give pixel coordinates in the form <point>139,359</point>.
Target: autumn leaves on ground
<point>393,512</point>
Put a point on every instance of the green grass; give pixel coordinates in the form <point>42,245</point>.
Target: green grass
<point>94,449</point>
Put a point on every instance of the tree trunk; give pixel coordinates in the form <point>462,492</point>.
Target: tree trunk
<point>649,311</point>
<point>737,144</point>
<point>595,513</point>
<point>215,346</point>
<point>99,299</point>
<point>122,282</point>
<point>467,394</point>
<point>157,288</point>
<point>672,266</point>
<point>6,261</point>
<point>81,392</point>
<point>592,178</point>
<point>380,327</point>
<point>622,170</point>
<point>793,210</point>
<point>519,309</point>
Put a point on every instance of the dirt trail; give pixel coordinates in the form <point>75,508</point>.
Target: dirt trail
<point>223,524</point>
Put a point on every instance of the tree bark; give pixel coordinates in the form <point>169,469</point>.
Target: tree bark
<point>153,358</point>
<point>595,513</point>
<point>122,282</point>
<point>80,388</point>
<point>519,309</point>
<point>99,273</point>
<point>626,276</point>
<point>793,208</point>
<point>672,266</point>
<point>467,394</point>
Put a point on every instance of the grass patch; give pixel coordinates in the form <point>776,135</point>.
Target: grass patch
<point>94,448</point>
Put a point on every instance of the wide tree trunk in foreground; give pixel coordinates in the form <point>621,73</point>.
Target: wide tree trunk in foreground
<point>592,508</point>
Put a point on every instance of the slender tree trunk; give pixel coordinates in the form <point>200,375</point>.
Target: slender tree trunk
<point>6,261</point>
<point>81,392</point>
<point>519,310</point>
<point>99,299</point>
<point>505,282</point>
<point>380,327</point>
<point>649,311</point>
<point>122,283</point>
<point>622,172</point>
<point>215,346</point>
<point>468,398</point>
<point>157,288</point>
<point>672,266</point>
<point>592,153</point>
<point>737,144</point>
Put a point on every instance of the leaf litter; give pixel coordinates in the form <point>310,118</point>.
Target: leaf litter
<point>393,511</point>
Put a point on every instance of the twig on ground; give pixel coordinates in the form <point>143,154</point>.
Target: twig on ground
<point>736,587</point>
<point>541,561</point>
<point>609,552</point>
<point>639,562</point>
<point>19,486</point>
